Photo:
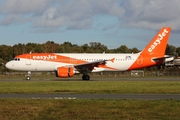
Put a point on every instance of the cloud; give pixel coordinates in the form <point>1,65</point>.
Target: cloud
<point>24,6</point>
<point>79,14</point>
<point>72,14</point>
<point>151,14</point>
<point>22,11</point>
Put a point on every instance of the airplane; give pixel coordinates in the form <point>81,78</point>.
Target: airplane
<point>67,64</point>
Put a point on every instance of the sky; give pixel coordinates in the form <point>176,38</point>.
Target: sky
<point>111,22</point>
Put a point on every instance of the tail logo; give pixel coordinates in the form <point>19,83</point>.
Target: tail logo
<point>158,40</point>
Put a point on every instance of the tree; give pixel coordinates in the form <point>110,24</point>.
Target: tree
<point>33,47</point>
<point>6,53</point>
<point>171,50</point>
<point>19,49</point>
<point>86,48</point>
<point>97,47</point>
<point>122,49</point>
<point>134,50</point>
<point>178,51</point>
<point>50,47</point>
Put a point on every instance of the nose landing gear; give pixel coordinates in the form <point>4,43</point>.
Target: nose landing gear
<point>28,76</point>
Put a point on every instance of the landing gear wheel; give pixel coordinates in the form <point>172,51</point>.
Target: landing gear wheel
<point>28,78</point>
<point>86,77</point>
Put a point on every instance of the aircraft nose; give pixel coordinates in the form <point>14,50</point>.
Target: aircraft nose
<point>9,65</point>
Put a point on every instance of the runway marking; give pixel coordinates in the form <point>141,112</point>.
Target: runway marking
<point>95,96</point>
<point>56,98</point>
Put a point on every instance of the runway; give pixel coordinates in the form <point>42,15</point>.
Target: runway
<point>95,96</point>
<point>8,79</point>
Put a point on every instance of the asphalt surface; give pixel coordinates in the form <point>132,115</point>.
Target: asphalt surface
<point>9,79</point>
<point>95,96</point>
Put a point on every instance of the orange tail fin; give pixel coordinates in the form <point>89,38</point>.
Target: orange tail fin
<point>153,53</point>
<point>157,46</point>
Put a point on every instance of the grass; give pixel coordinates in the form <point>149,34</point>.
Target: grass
<point>30,109</point>
<point>79,109</point>
<point>95,87</point>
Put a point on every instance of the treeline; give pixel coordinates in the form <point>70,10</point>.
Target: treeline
<point>9,52</point>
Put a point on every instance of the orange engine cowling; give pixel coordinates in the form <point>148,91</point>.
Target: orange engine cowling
<point>65,72</point>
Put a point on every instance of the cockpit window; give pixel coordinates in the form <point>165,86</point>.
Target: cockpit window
<point>17,59</point>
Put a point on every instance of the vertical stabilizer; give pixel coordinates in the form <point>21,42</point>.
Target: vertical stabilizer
<point>157,46</point>
<point>153,53</point>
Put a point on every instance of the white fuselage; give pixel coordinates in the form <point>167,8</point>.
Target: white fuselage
<point>121,62</point>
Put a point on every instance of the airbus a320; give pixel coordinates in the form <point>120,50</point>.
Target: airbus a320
<point>67,64</point>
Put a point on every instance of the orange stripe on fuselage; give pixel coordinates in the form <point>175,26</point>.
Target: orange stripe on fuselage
<point>106,67</point>
<point>52,57</point>
<point>58,58</point>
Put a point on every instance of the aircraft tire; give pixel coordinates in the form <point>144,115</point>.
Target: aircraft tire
<point>86,77</point>
<point>28,78</point>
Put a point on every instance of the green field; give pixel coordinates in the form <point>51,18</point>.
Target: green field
<point>43,109</point>
<point>50,109</point>
<point>96,87</point>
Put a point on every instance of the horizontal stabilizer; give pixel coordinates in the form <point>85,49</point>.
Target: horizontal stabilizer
<point>162,58</point>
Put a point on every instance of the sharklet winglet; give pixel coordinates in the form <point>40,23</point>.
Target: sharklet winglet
<point>112,60</point>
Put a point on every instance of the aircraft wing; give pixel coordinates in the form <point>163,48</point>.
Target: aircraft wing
<point>88,67</point>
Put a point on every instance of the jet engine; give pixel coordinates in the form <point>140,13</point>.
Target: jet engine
<point>65,72</point>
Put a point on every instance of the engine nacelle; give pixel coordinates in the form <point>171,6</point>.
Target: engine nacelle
<point>65,72</point>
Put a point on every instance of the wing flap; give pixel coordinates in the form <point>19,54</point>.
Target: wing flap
<point>88,67</point>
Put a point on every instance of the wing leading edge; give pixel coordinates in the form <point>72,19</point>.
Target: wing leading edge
<point>88,67</point>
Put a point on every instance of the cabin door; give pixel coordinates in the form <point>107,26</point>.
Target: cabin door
<point>28,60</point>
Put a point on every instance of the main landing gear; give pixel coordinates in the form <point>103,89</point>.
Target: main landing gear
<point>28,76</point>
<point>85,77</point>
